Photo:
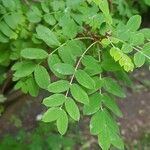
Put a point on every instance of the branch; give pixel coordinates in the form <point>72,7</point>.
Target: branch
<point>78,63</point>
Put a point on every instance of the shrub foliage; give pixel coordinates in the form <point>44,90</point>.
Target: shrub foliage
<point>78,51</point>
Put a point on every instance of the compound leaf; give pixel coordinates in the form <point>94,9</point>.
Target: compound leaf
<point>59,86</point>
<point>72,109</point>
<point>54,100</point>
<point>34,53</point>
<point>84,79</point>
<point>62,122</point>
<point>41,76</point>
<point>79,94</point>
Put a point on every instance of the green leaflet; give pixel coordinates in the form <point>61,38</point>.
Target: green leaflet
<point>54,100</point>
<point>59,86</point>
<point>146,49</point>
<point>117,141</point>
<point>52,60</point>
<point>111,104</point>
<point>72,109</point>
<point>24,69</point>
<point>34,15</point>
<point>123,59</point>
<point>137,39</point>
<point>13,20</point>
<point>84,79</point>
<point>126,48</point>
<point>139,59</point>
<point>94,104</point>
<point>62,122</point>
<point>90,62</point>
<point>47,36</point>
<point>106,128</point>
<point>45,6</point>
<point>146,32</point>
<point>103,5</point>
<point>49,19</point>
<point>71,51</point>
<point>134,23</point>
<point>4,28</point>
<point>147,2</point>
<point>112,87</point>
<point>9,4</point>
<point>3,39</point>
<point>66,55</point>
<point>105,42</point>
<point>51,114</point>
<point>34,53</point>
<point>104,138</point>
<point>69,27</point>
<point>41,76</point>
<point>31,86</point>
<point>79,94</point>
<point>98,85</point>
<point>64,69</point>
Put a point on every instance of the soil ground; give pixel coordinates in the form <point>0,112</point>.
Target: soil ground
<point>22,113</point>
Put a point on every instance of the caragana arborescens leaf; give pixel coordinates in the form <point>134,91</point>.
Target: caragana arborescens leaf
<point>51,114</point>
<point>111,104</point>
<point>82,44</point>
<point>139,59</point>
<point>49,19</point>
<point>54,100</point>
<point>66,55</point>
<point>94,104</point>
<point>62,122</point>
<point>96,123</point>
<point>25,69</point>
<point>52,60</point>
<point>84,79</point>
<point>79,94</point>
<point>124,60</point>
<point>146,32</point>
<point>103,5</point>
<point>34,15</point>
<point>64,69</point>
<point>31,86</point>
<point>134,23</point>
<point>72,109</point>
<point>147,2</point>
<point>69,27</point>
<point>41,76</point>
<point>59,86</point>
<point>146,50</point>
<point>3,39</point>
<point>13,20</point>
<point>4,28</point>
<point>34,53</point>
<point>103,125</point>
<point>89,61</point>
<point>104,138</point>
<point>112,87</point>
<point>47,36</point>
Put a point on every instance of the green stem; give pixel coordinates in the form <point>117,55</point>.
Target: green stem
<point>100,75</point>
<point>79,38</point>
<point>78,63</point>
<point>135,48</point>
<point>141,52</point>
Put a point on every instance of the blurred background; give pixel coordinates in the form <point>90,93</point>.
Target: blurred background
<point>20,114</point>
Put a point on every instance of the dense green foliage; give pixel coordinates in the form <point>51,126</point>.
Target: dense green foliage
<point>40,138</point>
<point>83,44</point>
